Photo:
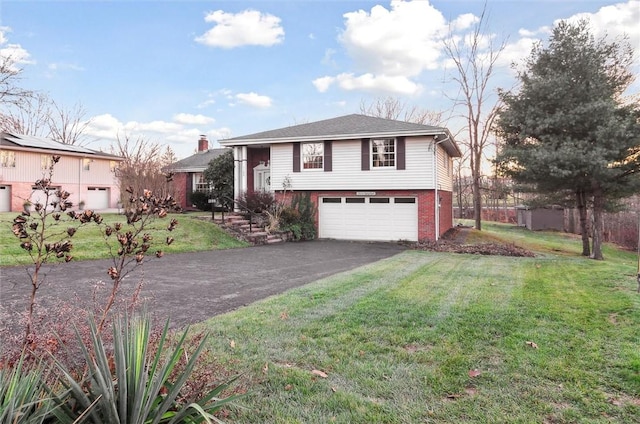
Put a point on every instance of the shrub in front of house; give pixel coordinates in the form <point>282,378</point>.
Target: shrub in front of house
<point>200,200</point>
<point>258,201</point>
<point>299,218</point>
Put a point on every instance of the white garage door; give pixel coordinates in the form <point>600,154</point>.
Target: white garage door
<point>40,196</point>
<point>97,198</point>
<point>368,218</point>
<point>5,198</point>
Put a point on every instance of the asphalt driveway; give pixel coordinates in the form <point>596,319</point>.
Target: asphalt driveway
<point>192,287</point>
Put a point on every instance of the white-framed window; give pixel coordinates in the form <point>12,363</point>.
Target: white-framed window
<point>7,159</point>
<point>312,155</point>
<point>200,184</point>
<point>46,161</point>
<point>113,165</point>
<point>86,164</point>
<point>383,153</point>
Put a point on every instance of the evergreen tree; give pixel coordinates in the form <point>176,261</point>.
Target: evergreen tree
<point>220,174</point>
<point>568,128</point>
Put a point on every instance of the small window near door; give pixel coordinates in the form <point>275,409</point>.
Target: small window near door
<point>355,199</point>
<point>331,200</point>
<point>86,164</point>
<point>379,200</point>
<point>404,200</point>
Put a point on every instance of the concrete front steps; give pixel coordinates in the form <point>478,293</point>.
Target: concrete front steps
<point>254,233</point>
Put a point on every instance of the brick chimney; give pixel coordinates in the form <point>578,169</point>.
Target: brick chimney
<point>203,144</point>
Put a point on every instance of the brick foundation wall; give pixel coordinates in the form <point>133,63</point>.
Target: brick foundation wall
<point>425,200</point>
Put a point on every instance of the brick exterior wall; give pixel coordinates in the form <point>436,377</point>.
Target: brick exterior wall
<point>182,189</point>
<point>446,211</point>
<point>425,200</point>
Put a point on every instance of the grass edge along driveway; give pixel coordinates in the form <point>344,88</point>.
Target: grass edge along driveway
<point>435,337</point>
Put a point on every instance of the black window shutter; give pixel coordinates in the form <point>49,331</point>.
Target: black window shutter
<point>328,157</point>
<point>296,157</point>
<point>365,154</point>
<point>400,153</point>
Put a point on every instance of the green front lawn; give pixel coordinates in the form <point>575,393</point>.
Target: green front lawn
<point>445,338</point>
<point>191,235</point>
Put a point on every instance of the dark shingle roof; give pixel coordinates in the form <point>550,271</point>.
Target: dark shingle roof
<point>343,127</point>
<point>41,143</point>
<point>198,162</point>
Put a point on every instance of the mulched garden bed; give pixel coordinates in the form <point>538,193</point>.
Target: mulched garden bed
<point>453,242</point>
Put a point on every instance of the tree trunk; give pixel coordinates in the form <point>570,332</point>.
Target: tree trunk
<point>584,227</point>
<point>477,202</point>
<point>598,223</point>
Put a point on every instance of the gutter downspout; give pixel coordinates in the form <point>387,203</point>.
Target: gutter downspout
<point>435,182</point>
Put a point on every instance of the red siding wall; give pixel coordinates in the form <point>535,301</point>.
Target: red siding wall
<point>254,157</point>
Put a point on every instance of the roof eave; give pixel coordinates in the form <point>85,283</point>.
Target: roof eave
<point>277,140</point>
<point>93,154</point>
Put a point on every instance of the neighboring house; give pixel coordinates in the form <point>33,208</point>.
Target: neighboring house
<point>89,175</point>
<point>371,178</point>
<point>188,173</point>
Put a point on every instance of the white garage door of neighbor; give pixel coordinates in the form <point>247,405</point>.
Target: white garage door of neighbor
<point>97,198</point>
<point>5,198</point>
<point>368,218</point>
<point>40,196</point>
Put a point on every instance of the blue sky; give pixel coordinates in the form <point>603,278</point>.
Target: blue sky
<point>171,70</point>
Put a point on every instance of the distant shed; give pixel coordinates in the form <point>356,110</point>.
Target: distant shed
<point>549,218</point>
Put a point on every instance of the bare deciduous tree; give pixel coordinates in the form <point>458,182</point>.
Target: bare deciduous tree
<point>67,125</point>
<point>142,167</point>
<point>29,117</point>
<point>10,92</point>
<point>474,58</point>
<point>394,108</point>
<point>37,115</point>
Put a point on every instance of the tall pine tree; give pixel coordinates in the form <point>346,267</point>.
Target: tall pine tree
<point>568,128</point>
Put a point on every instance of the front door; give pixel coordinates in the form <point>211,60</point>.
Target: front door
<point>261,178</point>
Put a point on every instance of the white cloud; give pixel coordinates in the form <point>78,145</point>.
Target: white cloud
<point>327,59</point>
<point>254,99</point>
<point>182,138</point>
<point>515,53</point>
<point>395,42</point>
<point>16,54</point>
<point>322,84</point>
<point>65,66</point>
<point>189,119</point>
<point>3,38</point>
<point>369,82</point>
<point>614,21</point>
<point>159,127</point>
<point>465,21</point>
<point>249,27</point>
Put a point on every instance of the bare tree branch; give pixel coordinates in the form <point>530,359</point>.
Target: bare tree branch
<point>68,125</point>
<point>474,58</point>
<point>29,117</point>
<point>10,92</point>
<point>394,108</point>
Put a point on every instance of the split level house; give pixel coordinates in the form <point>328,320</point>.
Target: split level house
<point>88,175</point>
<point>188,173</point>
<point>370,178</point>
